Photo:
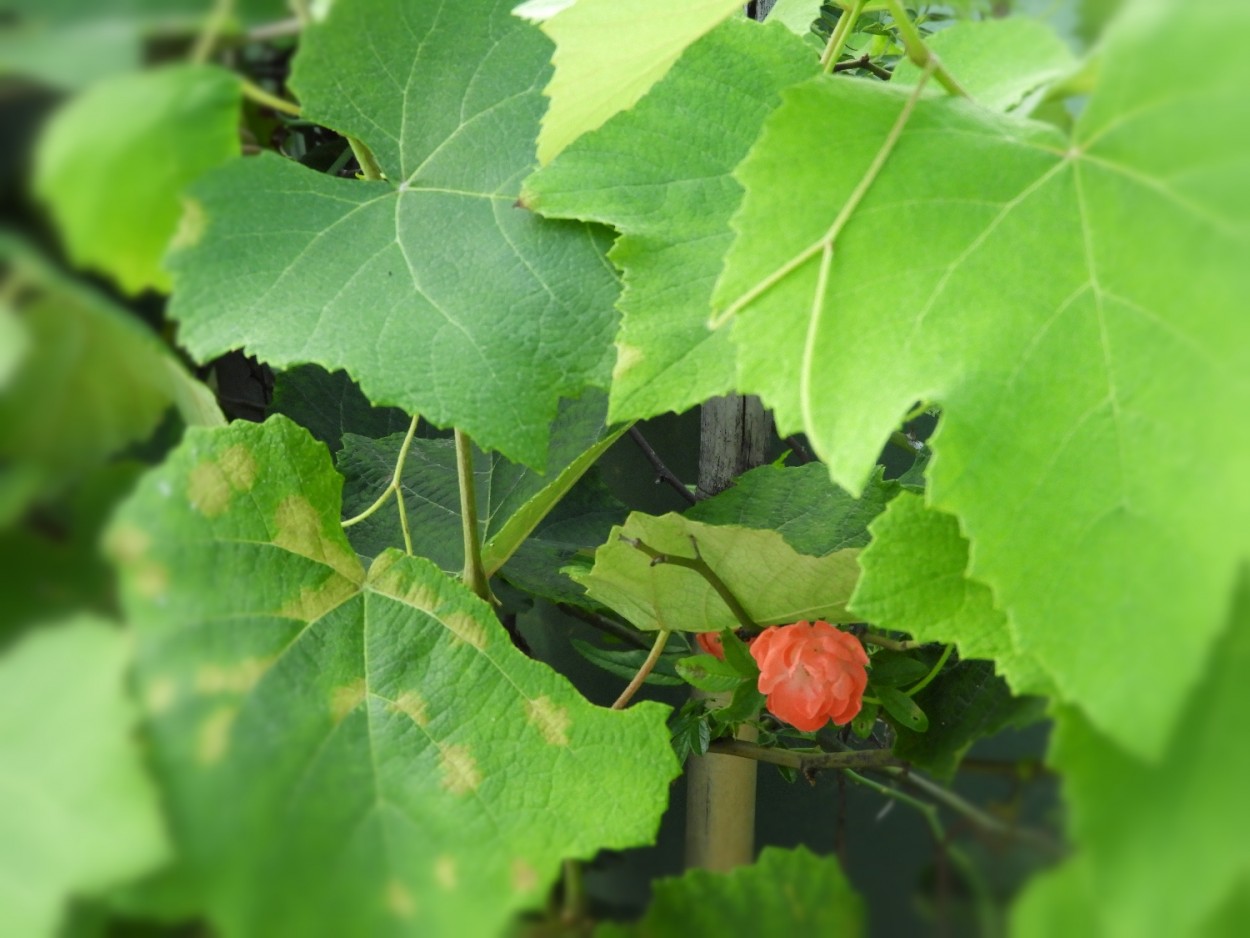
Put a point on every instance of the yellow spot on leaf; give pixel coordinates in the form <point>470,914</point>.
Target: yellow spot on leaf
<point>552,720</point>
<point>445,871</point>
<point>208,489</point>
<point>627,357</point>
<point>151,580</point>
<point>388,577</point>
<point>191,224</point>
<point>399,900</point>
<point>300,530</point>
<point>466,628</point>
<point>238,465</point>
<point>214,736</point>
<point>237,678</point>
<point>414,705</point>
<point>127,543</point>
<point>313,602</point>
<point>160,695</point>
<point>345,699</point>
<point>524,876</point>
<point>460,772</point>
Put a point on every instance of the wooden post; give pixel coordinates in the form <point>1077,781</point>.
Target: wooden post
<point>720,793</point>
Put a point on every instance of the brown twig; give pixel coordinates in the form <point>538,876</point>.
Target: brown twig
<point>662,472</point>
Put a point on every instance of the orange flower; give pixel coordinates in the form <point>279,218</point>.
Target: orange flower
<point>811,673</point>
<point>711,644</point>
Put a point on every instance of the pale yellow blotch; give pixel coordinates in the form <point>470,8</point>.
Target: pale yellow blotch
<point>345,699</point>
<point>300,531</point>
<point>551,719</point>
<point>208,489</point>
<point>414,705</point>
<point>627,357</point>
<point>460,772</point>
<point>239,467</point>
<point>313,602</point>
<point>445,871</point>
<point>151,580</point>
<point>236,678</point>
<point>191,224</point>
<point>524,876</point>
<point>127,543</point>
<point>160,695</point>
<point>466,628</point>
<point>214,735</point>
<point>386,578</point>
<point>399,900</point>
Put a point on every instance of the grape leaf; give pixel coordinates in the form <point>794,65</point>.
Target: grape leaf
<point>1074,305</point>
<point>347,751</point>
<point>1144,828</point>
<point>796,15</point>
<point>112,165</point>
<point>93,380</point>
<point>69,44</point>
<point>801,504</point>
<point>328,404</point>
<point>785,892</point>
<point>432,289</point>
<point>511,499</point>
<point>77,812</point>
<point>608,54</point>
<point>914,580</point>
<point>671,195</point>
<point>1000,62</point>
<point>773,582</point>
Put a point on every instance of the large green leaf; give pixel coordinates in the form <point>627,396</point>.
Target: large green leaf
<point>774,583</point>
<point>915,580</point>
<point>608,53</point>
<point>801,504</point>
<point>1076,306</point>
<point>999,62</point>
<point>93,380</point>
<point>511,499</point>
<point>432,289</point>
<point>77,812</point>
<point>1146,829</point>
<point>785,892</point>
<point>70,43</point>
<point>352,752</point>
<point>112,165</point>
<point>671,195</point>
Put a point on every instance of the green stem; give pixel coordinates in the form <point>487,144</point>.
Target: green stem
<point>919,53</point>
<point>933,672</point>
<point>699,566</point>
<point>573,908</point>
<point>474,573</point>
<point>806,761</point>
<point>393,486</point>
<point>254,92</point>
<point>657,649</point>
<point>852,203</point>
<point>881,641</point>
<point>841,32</point>
<point>364,156</point>
<point>214,23</point>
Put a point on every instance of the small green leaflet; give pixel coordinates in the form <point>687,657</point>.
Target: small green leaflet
<point>77,812</point>
<point>1144,828</point>
<point>914,580</point>
<point>352,752</point>
<point>112,165</point>
<point>1001,62</point>
<point>608,54</point>
<point>785,892</point>
<point>1076,306</point>
<point>796,15</point>
<point>671,197</point>
<point>93,380</point>
<point>432,289</point>
<point>774,583</point>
